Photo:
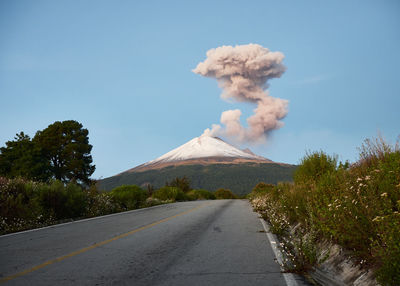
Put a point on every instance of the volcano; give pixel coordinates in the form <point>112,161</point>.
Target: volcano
<point>203,150</point>
<point>209,163</point>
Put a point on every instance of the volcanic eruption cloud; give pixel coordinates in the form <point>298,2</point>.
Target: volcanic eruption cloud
<point>243,73</point>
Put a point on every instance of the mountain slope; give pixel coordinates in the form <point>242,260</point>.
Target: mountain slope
<point>210,163</point>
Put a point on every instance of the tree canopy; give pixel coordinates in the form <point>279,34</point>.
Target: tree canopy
<point>22,158</point>
<point>61,151</point>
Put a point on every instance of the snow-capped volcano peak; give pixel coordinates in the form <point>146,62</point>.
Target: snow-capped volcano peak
<point>202,147</point>
<point>203,150</point>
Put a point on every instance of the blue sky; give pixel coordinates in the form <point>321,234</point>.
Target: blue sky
<point>123,69</point>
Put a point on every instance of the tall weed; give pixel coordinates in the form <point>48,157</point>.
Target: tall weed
<point>355,206</point>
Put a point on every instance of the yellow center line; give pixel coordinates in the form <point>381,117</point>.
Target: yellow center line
<point>61,258</point>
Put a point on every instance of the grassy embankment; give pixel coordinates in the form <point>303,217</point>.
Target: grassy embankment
<point>356,207</point>
<point>26,204</point>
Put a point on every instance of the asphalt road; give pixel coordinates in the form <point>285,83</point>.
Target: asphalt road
<point>188,243</point>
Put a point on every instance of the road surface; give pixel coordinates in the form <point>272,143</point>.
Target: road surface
<point>189,243</point>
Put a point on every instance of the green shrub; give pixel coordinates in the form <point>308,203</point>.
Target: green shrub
<point>386,247</point>
<point>76,202</point>
<point>313,166</point>
<point>60,202</point>
<point>52,198</point>
<point>18,208</point>
<point>262,188</point>
<point>100,203</point>
<point>200,195</point>
<point>169,194</point>
<point>150,201</point>
<point>129,197</point>
<point>222,194</point>
<point>26,204</point>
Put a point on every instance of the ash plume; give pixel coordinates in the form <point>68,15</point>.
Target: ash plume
<point>243,73</point>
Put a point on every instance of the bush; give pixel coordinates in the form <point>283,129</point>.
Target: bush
<point>169,194</point>
<point>60,202</point>
<point>129,197</point>
<point>222,194</point>
<point>262,188</point>
<point>26,204</point>
<point>100,203</point>
<point>18,208</point>
<point>200,194</point>
<point>76,202</point>
<point>313,166</point>
<point>52,199</point>
<point>357,207</point>
<point>150,201</point>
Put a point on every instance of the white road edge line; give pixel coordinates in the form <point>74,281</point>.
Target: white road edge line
<point>78,221</point>
<point>289,277</point>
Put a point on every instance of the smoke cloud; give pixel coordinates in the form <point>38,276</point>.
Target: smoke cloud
<point>243,73</point>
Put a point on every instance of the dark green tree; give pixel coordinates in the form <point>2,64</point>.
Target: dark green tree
<point>22,158</point>
<point>181,183</point>
<point>66,147</point>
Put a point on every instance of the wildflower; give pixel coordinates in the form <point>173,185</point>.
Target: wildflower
<point>367,177</point>
<point>384,195</point>
<point>378,218</point>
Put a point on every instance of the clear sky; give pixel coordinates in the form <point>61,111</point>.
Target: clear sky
<point>123,69</point>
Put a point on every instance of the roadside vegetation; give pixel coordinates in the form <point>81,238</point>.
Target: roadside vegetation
<point>355,206</point>
<point>25,204</point>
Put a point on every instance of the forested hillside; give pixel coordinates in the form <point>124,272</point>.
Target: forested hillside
<point>240,178</point>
